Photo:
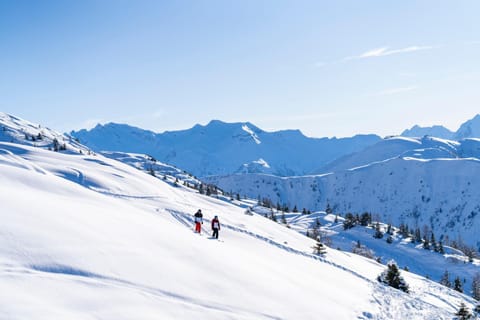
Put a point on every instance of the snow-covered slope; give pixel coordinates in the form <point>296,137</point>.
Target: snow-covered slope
<point>224,148</point>
<point>87,237</point>
<point>422,148</point>
<point>400,249</point>
<point>16,130</point>
<point>442,194</point>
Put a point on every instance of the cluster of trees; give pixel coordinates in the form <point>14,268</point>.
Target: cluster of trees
<point>351,220</point>
<point>33,137</point>
<point>57,146</point>
<point>268,203</point>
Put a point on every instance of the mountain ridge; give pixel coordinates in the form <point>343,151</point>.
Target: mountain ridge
<point>221,148</point>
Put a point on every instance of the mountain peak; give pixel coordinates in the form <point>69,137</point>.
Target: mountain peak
<point>469,129</point>
<point>436,131</point>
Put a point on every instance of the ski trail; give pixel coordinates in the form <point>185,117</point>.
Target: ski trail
<point>187,220</point>
<point>415,308</point>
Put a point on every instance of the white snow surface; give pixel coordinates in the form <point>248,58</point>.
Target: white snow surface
<point>87,237</point>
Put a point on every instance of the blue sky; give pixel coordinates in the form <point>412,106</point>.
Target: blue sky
<point>328,68</point>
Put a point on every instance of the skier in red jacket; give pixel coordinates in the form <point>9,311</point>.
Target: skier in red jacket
<point>215,227</point>
<point>198,217</point>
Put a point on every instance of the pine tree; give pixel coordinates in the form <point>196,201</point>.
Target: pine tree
<point>284,220</point>
<point>389,229</point>
<point>390,239</point>
<point>440,247</point>
<point>426,244</point>
<point>295,210</point>
<point>457,285</point>
<point>393,278</point>
<point>477,310</point>
<point>463,313</point>
<point>328,210</point>
<point>476,286</point>
<point>319,248</point>
<point>365,219</point>
<point>349,221</point>
<point>445,280</point>
<point>378,232</point>
<point>417,236</point>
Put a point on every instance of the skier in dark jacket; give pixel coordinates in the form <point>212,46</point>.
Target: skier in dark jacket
<point>215,227</point>
<point>198,217</point>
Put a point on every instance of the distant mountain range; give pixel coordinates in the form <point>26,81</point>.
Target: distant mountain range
<point>220,148</point>
<point>469,129</point>
<point>225,148</point>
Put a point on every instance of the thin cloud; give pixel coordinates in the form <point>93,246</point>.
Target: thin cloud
<point>376,53</point>
<point>393,91</point>
<point>386,51</point>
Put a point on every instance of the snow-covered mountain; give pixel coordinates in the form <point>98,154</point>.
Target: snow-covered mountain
<point>224,148</point>
<point>100,239</point>
<point>434,131</point>
<point>470,129</point>
<point>423,148</point>
<point>442,194</point>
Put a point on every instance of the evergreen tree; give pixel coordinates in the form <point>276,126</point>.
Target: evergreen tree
<point>349,221</point>
<point>463,313</point>
<point>389,229</point>
<point>328,210</point>
<point>426,243</point>
<point>238,196</point>
<point>440,247</point>
<point>273,216</point>
<point>477,310</point>
<point>378,232</point>
<point>365,219</point>
<point>390,239</point>
<point>433,242</point>
<point>319,248</point>
<point>445,280</point>
<point>284,220</point>
<point>295,210</point>
<point>476,286</point>
<point>304,211</point>
<point>392,277</point>
<point>417,236</point>
<point>457,285</point>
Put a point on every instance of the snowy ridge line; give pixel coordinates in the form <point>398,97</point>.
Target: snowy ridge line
<point>186,218</point>
<point>68,271</point>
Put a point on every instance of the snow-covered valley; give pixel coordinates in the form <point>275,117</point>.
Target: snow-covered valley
<point>88,237</point>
